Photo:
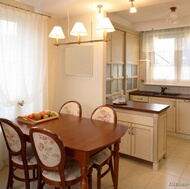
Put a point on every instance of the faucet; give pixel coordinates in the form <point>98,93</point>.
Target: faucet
<point>163,89</point>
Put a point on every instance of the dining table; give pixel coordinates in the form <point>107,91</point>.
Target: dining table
<point>83,137</point>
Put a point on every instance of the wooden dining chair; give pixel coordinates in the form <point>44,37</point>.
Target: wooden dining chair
<point>104,157</point>
<point>55,168</point>
<point>21,155</point>
<point>71,107</point>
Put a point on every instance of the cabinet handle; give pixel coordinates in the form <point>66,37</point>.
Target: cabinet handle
<point>129,130</point>
<point>132,131</point>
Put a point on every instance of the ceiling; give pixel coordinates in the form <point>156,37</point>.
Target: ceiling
<point>146,9</point>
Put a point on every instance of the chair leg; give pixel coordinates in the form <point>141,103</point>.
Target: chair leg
<point>27,180</point>
<point>99,177</point>
<point>112,171</point>
<point>90,179</point>
<point>10,177</point>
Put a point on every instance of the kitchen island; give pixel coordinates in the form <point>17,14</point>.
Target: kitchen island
<point>146,135</point>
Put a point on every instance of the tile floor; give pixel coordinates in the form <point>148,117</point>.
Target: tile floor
<point>174,172</point>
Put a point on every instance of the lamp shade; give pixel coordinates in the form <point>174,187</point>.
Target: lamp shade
<point>105,24</point>
<point>133,9</point>
<point>57,33</point>
<point>78,29</point>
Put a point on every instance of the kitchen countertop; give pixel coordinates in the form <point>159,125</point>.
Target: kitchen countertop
<point>139,106</point>
<point>157,94</point>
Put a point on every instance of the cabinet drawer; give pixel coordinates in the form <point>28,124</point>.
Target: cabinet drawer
<point>140,98</point>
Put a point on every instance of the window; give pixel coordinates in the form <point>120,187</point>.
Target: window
<point>23,61</point>
<point>169,55</point>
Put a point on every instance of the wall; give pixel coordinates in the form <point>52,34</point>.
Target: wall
<point>88,90</point>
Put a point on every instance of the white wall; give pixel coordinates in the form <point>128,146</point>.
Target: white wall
<point>88,90</point>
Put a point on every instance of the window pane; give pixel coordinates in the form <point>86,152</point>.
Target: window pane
<point>121,84</point>
<point>120,66</point>
<point>134,83</point>
<point>185,67</point>
<point>108,70</point>
<point>129,70</point>
<point>108,87</point>
<point>164,65</point>
<point>134,70</point>
<point>186,58</point>
<point>115,70</point>
<point>114,86</point>
<point>129,83</point>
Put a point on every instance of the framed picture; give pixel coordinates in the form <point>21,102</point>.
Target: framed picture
<point>79,60</point>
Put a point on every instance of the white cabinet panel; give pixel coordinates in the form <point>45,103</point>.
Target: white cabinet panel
<point>142,142</point>
<point>183,116</point>
<point>170,110</point>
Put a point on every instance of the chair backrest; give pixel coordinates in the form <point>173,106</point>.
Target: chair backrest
<point>49,150</point>
<point>104,113</point>
<point>72,108</point>
<point>13,137</point>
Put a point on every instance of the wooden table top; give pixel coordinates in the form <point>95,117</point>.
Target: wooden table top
<point>80,133</point>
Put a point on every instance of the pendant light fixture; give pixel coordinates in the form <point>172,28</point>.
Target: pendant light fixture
<point>132,9</point>
<point>173,16</point>
<point>104,25</point>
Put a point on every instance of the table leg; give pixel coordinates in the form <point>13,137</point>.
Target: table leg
<point>116,164</point>
<point>84,173</point>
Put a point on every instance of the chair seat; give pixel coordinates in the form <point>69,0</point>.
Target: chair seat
<point>100,157</point>
<point>31,160</point>
<point>71,171</point>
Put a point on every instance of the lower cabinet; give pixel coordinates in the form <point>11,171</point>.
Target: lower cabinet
<point>170,111</point>
<point>138,141</point>
<point>146,135</point>
<point>183,117</point>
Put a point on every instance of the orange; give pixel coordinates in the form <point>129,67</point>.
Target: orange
<point>42,113</point>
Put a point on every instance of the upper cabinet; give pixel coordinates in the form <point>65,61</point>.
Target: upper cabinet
<point>122,63</point>
<point>115,63</point>
<point>132,62</point>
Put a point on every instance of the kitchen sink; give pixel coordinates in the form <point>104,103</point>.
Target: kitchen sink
<point>152,93</point>
<point>169,94</point>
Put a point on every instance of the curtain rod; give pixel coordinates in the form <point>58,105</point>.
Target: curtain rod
<point>24,9</point>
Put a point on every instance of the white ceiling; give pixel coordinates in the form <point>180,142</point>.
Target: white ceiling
<point>146,9</point>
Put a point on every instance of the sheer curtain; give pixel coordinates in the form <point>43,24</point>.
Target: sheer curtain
<point>178,34</point>
<point>168,51</point>
<point>23,65</point>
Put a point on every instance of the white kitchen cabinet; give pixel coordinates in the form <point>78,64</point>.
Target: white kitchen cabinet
<point>183,117</point>
<point>125,145</point>
<point>170,111</point>
<point>146,135</point>
<point>122,67</point>
<point>115,63</point>
<point>138,141</point>
<point>132,61</point>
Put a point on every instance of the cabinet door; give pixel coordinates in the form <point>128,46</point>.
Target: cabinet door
<point>170,110</point>
<point>125,145</point>
<point>183,116</point>
<point>118,46</point>
<point>132,58</point>
<point>142,141</point>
